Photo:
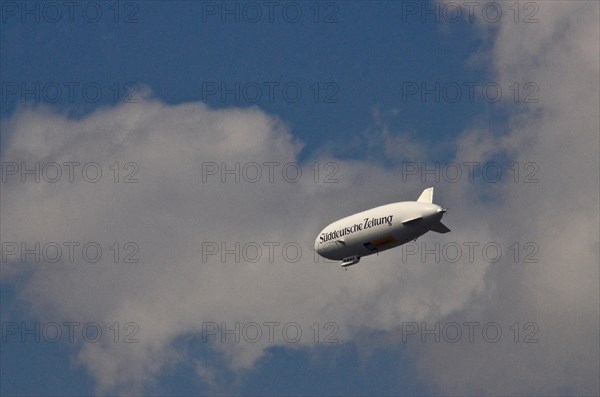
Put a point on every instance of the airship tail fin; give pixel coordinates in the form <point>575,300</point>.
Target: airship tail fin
<point>440,228</point>
<point>426,196</point>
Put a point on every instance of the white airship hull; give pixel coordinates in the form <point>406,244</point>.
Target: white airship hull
<point>379,229</point>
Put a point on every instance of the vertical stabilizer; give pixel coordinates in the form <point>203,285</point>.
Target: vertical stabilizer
<point>426,196</point>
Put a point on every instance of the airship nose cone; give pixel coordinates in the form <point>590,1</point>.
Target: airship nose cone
<point>317,249</point>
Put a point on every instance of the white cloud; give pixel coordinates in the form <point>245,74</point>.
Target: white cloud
<point>171,292</point>
<point>560,213</point>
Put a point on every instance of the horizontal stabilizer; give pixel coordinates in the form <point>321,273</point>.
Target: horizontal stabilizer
<point>412,220</point>
<point>426,196</point>
<point>440,228</point>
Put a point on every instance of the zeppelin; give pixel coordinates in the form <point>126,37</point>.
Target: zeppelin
<point>380,229</point>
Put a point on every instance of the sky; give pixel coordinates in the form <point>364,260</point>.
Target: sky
<point>167,166</point>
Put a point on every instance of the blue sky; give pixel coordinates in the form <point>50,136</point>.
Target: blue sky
<point>367,52</point>
<point>359,57</point>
